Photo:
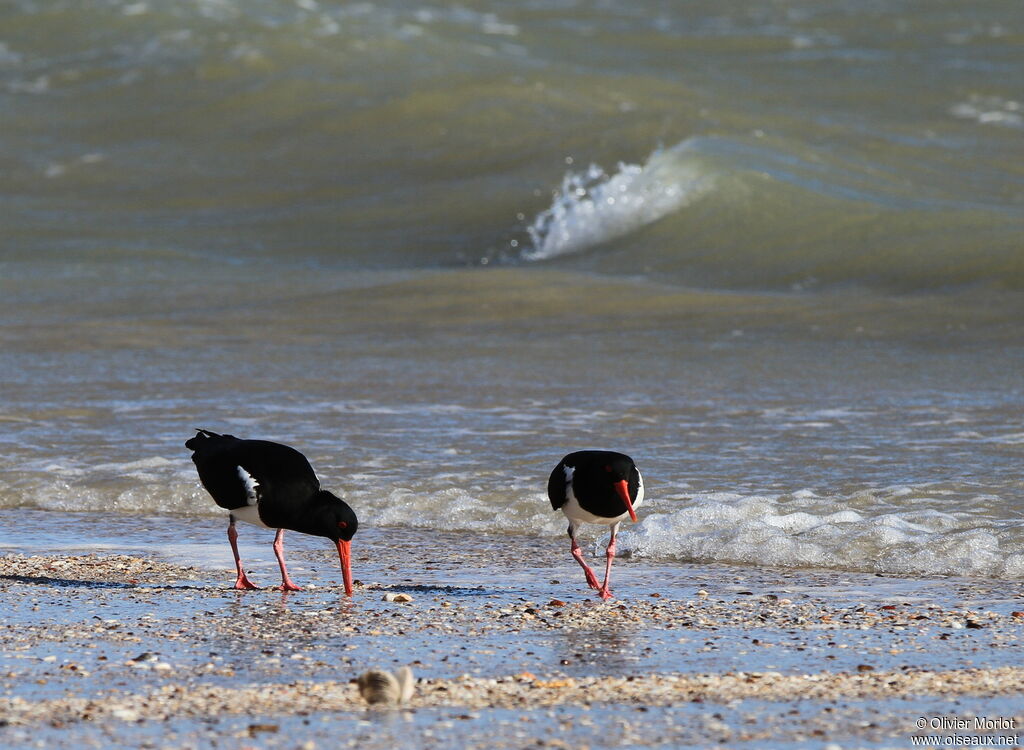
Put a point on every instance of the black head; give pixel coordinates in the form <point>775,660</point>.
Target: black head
<point>602,466</point>
<point>331,517</point>
<point>617,466</point>
<point>335,519</point>
<point>605,482</point>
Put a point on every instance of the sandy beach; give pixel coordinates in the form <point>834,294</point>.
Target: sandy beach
<point>135,650</point>
<point>771,251</point>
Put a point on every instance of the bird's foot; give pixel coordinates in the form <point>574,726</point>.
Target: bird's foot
<point>604,593</point>
<point>289,586</point>
<point>592,581</point>
<point>244,584</point>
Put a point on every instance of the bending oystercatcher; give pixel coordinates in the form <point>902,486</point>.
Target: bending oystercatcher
<point>596,487</point>
<point>273,486</point>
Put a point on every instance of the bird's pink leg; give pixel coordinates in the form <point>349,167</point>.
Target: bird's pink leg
<point>578,554</point>
<point>242,581</point>
<point>605,591</point>
<point>286,582</point>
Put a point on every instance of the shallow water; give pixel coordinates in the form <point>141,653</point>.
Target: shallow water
<point>773,253</point>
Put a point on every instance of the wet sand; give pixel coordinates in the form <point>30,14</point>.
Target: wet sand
<point>129,648</point>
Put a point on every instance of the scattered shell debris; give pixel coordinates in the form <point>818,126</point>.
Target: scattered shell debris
<point>124,641</point>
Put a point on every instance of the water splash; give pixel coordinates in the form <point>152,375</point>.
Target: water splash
<point>593,207</point>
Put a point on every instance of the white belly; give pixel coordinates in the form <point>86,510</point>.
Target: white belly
<point>249,514</point>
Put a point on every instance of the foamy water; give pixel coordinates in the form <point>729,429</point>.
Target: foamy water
<point>593,207</point>
<point>478,467</point>
<point>991,110</point>
<point>847,533</point>
<point>864,532</point>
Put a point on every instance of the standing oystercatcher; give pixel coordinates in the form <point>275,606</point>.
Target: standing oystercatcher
<point>273,486</point>
<point>596,487</point>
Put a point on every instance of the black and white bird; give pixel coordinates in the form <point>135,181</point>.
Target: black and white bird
<point>273,486</point>
<point>600,487</point>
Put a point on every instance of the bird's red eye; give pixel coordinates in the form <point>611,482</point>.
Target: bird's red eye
<point>608,469</point>
<point>342,525</point>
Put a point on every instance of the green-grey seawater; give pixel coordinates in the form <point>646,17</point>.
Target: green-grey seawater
<point>774,251</point>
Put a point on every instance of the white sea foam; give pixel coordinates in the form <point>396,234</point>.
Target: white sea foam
<point>862,532</point>
<point>990,110</point>
<point>153,462</point>
<point>456,509</point>
<point>754,530</point>
<point>914,530</point>
<point>593,207</point>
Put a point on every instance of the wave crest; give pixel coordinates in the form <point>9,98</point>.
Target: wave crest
<point>593,207</point>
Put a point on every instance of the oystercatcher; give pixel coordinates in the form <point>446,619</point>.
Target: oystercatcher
<point>273,486</point>
<point>596,487</point>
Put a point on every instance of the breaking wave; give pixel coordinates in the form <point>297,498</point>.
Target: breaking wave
<point>809,531</point>
<point>903,530</point>
<point>593,207</point>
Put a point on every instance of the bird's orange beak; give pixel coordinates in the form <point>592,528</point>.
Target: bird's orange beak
<point>345,553</point>
<point>623,489</point>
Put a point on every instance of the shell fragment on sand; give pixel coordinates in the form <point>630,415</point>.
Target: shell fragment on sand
<point>378,686</point>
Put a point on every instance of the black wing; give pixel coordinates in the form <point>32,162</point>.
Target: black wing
<point>285,479</point>
<point>276,474</point>
<point>556,486</point>
<point>218,471</point>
